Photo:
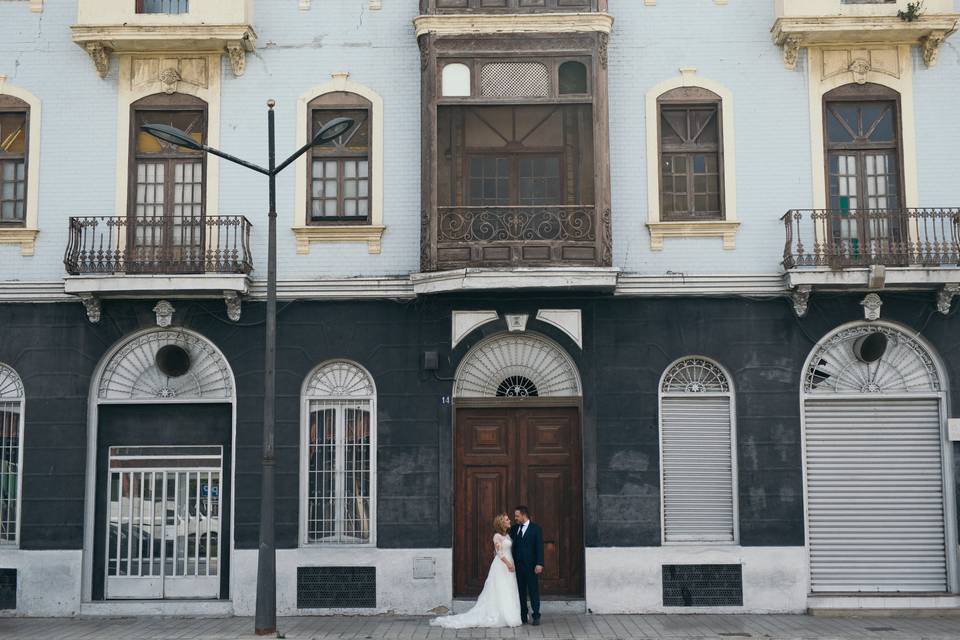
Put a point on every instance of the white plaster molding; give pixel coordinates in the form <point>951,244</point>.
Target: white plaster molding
<point>36,6</point>
<point>516,322</point>
<point>92,305</point>
<point>491,24</point>
<point>674,284</point>
<point>522,278</point>
<point>371,233</point>
<point>141,75</point>
<point>726,228</point>
<point>871,304</point>
<point>26,236</point>
<point>569,321</point>
<point>898,278</point>
<point>464,322</point>
<point>234,304</point>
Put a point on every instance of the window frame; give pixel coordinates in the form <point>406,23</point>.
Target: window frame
<point>340,101</point>
<point>688,98</point>
<point>13,104</point>
<point>513,158</point>
<point>857,93</point>
<point>21,397</point>
<point>307,400</point>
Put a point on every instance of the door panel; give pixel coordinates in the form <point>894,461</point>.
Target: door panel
<point>506,457</point>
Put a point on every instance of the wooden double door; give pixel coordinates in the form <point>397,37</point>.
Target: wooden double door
<point>510,456</point>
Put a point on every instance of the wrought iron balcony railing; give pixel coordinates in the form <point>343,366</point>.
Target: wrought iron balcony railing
<point>163,245</point>
<point>890,237</point>
<point>511,6</point>
<point>518,236</point>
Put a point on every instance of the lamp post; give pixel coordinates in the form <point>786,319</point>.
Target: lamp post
<point>266,614</point>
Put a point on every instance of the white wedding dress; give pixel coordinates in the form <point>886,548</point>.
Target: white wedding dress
<point>499,602</point>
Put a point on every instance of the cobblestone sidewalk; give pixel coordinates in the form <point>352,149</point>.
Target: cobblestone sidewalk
<point>582,627</point>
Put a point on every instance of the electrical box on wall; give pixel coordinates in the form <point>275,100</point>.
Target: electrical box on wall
<point>953,429</point>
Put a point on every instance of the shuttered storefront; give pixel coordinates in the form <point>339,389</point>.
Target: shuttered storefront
<point>697,468</point>
<point>875,495</point>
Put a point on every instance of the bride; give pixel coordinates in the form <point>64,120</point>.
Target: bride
<point>499,602</point>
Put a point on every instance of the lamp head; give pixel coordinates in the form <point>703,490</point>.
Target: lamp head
<point>333,129</point>
<point>172,135</point>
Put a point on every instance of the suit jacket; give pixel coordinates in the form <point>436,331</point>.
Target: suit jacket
<point>528,550</point>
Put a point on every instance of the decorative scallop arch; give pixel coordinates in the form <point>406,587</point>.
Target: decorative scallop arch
<point>695,375</point>
<point>517,365</point>
<point>339,379</point>
<point>907,366</point>
<point>11,387</point>
<point>132,374</point>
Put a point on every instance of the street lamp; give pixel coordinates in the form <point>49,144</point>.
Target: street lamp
<point>266,615</point>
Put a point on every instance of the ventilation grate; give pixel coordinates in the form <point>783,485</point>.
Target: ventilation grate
<point>336,587</point>
<point>8,588</point>
<point>515,80</point>
<point>702,585</point>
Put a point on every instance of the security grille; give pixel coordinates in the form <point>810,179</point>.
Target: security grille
<point>514,80</point>
<point>336,587</point>
<point>702,585</point>
<point>875,495</point>
<point>697,447</point>
<point>8,588</point>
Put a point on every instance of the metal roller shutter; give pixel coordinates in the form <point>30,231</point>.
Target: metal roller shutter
<point>697,469</point>
<point>875,495</point>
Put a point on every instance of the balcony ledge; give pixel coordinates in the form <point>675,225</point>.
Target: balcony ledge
<point>99,41</point>
<point>859,278</point>
<point>474,279</point>
<point>91,289</point>
<point>495,24</point>
<point>792,33</point>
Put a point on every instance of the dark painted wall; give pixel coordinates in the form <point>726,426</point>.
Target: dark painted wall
<point>628,345</point>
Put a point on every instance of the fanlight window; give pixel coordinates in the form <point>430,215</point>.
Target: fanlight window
<point>516,366</point>
<point>340,453</point>
<point>11,436</point>
<point>697,447</point>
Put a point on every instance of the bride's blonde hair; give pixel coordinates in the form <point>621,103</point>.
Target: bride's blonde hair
<point>501,524</point>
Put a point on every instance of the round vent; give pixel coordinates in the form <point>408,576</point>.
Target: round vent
<point>173,360</point>
<point>871,347</point>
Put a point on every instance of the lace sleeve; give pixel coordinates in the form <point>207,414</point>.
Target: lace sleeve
<point>497,539</point>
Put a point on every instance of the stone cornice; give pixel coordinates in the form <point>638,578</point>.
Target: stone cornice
<point>726,229</point>
<point>495,24</point>
<point>369,233</point>
<point>26,238</point>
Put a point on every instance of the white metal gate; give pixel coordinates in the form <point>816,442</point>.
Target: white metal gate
<point>875,495</point>
<point>163,522</point>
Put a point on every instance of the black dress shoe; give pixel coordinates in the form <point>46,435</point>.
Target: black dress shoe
<point>524,621</point>
<point>536,622</point>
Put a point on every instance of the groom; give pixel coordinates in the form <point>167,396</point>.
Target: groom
<point>528,558</point>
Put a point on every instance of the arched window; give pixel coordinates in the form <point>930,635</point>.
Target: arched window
<point>572,78</point>
<point>14,146</point>
<point>455,80</point>
<point>697,444</point>
<point>11,452</point>
<point>338,455</point>
<point>339,172</point>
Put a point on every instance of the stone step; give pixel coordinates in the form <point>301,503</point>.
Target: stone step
<point>884,605</point>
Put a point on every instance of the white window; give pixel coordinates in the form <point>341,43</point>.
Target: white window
<point>338,457</point>
<point>697,444</point>
<point>11,453</point>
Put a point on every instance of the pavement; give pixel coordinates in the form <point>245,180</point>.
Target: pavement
<point>561,627</point>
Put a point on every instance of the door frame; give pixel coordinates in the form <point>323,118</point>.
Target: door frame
<point>946,446</point>
<point>551,402</point>
<point>90,522</point>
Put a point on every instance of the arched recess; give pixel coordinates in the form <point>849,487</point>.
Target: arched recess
<point>26,235</point>
<point>878,488</point>
<point>698,462</point>
<point>517,365</point>
<point>370,233</point>
<point>129,374</point>
<point>338,456</point>
<point>12,401</point>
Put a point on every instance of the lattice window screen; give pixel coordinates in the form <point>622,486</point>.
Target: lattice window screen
<point>515,80</point>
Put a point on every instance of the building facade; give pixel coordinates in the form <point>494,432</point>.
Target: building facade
<point>679,276</point>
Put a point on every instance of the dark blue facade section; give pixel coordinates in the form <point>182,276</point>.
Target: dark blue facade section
<point>628,343</point>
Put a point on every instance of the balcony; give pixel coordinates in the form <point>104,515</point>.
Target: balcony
<point>130,26</point>
<point>510,6</point>
<point>872,248</point>
<point>114,256</point>
<point>805,23</point>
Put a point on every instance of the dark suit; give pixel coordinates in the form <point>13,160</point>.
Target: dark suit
<point>527,554</point>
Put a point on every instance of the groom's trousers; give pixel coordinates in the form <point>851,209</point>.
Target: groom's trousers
<point>528,584</point>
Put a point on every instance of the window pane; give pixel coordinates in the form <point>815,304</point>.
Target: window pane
<point>572,78</point>
<point>354,140</point>
<point>489,181</point>
<point>190,122</point>
<point>13,133</point>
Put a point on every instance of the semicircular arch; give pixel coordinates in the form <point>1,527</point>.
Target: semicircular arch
<point>517,365</point>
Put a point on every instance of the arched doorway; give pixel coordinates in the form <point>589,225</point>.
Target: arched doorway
<point>517,441</point>
<point>873,400</point>
<point>159,490</point>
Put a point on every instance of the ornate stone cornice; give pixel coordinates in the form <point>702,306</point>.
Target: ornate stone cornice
<point>491,24</point>
<point>371,234</point>
<point>792,33</point>
<point>726,229</point>
<point>26,238</point>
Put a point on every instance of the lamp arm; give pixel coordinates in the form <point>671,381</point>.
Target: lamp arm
<point>296,154</point>
<point>243,163</point>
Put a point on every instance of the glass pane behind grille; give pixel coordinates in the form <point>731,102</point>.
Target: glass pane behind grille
<point>9,466</point>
